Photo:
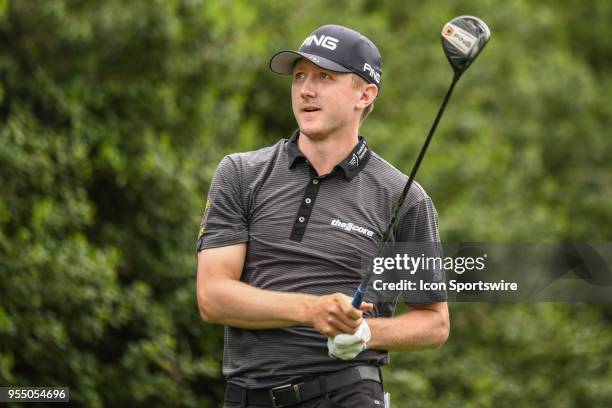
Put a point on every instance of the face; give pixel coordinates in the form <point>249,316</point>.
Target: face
<point>324,102</point>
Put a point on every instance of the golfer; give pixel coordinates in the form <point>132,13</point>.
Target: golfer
<point>284,233</point>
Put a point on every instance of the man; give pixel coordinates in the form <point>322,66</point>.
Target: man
<point>284,233</point>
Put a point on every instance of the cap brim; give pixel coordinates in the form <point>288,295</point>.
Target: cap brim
<point>282,62</point>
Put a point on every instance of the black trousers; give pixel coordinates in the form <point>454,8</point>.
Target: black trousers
<point>364,394</point>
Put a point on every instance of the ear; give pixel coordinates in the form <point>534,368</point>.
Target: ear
<point>368,93</point>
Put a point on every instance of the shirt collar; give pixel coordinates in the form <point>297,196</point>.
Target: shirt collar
<point>349,167</point>
<point>293,151</point>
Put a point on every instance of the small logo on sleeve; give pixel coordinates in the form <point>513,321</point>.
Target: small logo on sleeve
<point>204,219</point>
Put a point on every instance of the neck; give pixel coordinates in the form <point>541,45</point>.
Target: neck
<point>325,153</point>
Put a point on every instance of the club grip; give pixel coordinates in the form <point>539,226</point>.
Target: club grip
<point>358,297</point>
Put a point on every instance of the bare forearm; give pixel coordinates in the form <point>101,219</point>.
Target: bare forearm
<point>234,303</point>
<point>223,298</point>
<point>414,330</point>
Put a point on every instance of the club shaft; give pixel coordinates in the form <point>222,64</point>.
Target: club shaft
<point>365,282</point>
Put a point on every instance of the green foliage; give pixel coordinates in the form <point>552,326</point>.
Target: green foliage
<point>506,355</point>
<point>114,115</point>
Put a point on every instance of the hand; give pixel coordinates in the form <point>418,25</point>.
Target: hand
<point>347,346</point>
<point>334,314</point>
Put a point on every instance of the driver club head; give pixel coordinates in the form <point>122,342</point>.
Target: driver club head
<point>463,38</point>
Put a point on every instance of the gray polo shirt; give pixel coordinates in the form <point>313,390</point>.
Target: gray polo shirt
<point>305,233</point>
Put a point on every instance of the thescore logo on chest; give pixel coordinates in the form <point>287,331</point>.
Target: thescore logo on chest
<point>349,226</point>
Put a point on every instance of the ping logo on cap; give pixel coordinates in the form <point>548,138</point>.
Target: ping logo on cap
<point>323,41</point>
<point>368,68</point>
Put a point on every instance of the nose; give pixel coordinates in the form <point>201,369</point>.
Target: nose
<point>308,88</point>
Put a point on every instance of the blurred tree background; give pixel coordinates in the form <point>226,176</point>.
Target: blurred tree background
<point>114,115</point>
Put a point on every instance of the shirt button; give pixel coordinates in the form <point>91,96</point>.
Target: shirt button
<point>301,220</point>
<point>307,200</point>
<point>315,181</point>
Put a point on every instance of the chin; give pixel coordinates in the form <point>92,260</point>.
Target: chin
<point>315,132</point>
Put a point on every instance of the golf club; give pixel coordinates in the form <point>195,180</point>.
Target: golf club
<point>463,38</point>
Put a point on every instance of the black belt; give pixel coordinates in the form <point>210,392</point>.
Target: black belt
<point>291,394</point>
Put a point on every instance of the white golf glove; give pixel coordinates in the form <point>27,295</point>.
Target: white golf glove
<point>347,346</point>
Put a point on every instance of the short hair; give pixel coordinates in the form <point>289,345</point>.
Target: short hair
<point>357,83</point>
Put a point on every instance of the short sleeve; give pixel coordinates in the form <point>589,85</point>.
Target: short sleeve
<point>419,223</point>
<point>225,219</point>
<point>418,228</point>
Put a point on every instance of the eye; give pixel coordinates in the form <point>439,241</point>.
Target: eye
<point>298,75</point>
<point>324,75</point>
